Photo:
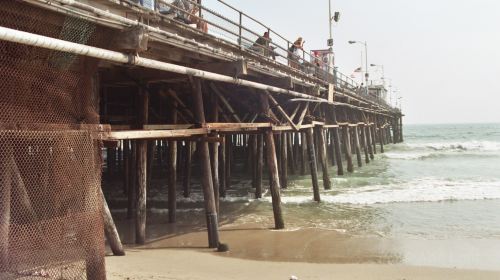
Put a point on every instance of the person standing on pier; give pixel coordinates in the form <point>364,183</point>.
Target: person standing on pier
<point>262,46</point>
<point>293,53</point>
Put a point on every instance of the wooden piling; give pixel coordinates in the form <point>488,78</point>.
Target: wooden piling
<point>207,181</point>
<point>373,129</point>
<point>323,157</point>
<point>347,148</point>
<point>126,167</point>
<point>150,155</point>
<point>272,164</point>
<point>284,160</point>
<point>331,147</point>
<point>186,177</point>
<point>336,143</point>
<point>358,146</point>
<point>274,184</point>
<point>172,170</point>
<point>297,151</point>
<point>291,153</point>
<point>381,140</point>
<point>259,165</point>
<point>132,185</point>
<point>214,154</point>
<point>140,218</point>
<point>5,212</point>
<point>312,163</point>
<point>303,154</point>
<point>364,143</point>
<point>142,174</point>
<point>222,163</point>
<point>110,230</point>
<point>368,133</point>
<point>401,129</point>
<point>228,146</point>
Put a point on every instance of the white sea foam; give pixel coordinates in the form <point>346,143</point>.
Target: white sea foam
<point>422,190</point>
<point>485,146</point>
<point>407,155</point>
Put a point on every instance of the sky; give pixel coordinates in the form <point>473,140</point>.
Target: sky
<point>441,56</point>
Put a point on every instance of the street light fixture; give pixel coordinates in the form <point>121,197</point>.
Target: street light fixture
<point>335,17</point>
<point>366,60</point>
<point>383,71</point>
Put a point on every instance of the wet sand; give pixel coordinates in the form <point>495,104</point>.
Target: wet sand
<point>257,252</point>
<point>202,264</point>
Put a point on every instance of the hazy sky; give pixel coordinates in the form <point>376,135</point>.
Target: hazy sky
<point>442,55</point>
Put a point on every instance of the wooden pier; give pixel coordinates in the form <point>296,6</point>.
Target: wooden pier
<point>169,93</point>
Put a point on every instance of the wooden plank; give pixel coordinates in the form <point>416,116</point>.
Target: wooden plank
<point>217,126</point>
<point>153,134</point>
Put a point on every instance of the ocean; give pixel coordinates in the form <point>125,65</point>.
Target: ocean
<point>439,190</point>
<point>433,200</point>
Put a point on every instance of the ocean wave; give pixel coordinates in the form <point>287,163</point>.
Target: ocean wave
<point>484,146</point>
<point>408,155</point>
<point>422,190</point>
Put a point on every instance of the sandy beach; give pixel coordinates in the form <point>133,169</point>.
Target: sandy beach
<point>257,252</point>
<point>202,264</point>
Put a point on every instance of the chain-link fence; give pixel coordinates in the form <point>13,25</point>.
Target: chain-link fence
<point>50,167</point>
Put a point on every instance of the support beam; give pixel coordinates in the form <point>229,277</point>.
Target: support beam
<point>172,181</point>
<point>272,165</point>
<point>274,184</point>
<point>214,152</point>
<point>186,180</point>
<point>364,143</point>
<point>336,143</point>
<point>259,165</point>
<point>284,160</point>
<point>347,148</point>
<point>142,173</point>
<point>358,146</point>
<point>5,211</point>
<point>291,153</point>
<point>132,190</point>
<point>282,112</point>
<point>368,133</point>
<point>312,163</point>
<point>225,103</point>
<point>207,181</point>
<point>323,157</point>
<point>110,230</point>
<point>303,154</point>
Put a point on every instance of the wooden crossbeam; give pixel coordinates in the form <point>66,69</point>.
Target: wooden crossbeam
<point>153,134</point>
<point>224,102</point>
<point>282,112</point>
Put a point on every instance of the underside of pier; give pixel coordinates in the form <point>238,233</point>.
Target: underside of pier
<point>111,91</point>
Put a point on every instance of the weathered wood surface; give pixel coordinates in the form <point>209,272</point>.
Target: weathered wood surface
<point>207,181</point>
<point>312,164</point>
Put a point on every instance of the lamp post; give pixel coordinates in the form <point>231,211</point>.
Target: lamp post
<point>331,19</point>
<point>383,71</point>
<point>366,62</point>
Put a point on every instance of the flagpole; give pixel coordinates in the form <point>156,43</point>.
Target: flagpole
<point>361,64</point>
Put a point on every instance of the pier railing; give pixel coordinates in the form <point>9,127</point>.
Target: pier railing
<point>236,27</point>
